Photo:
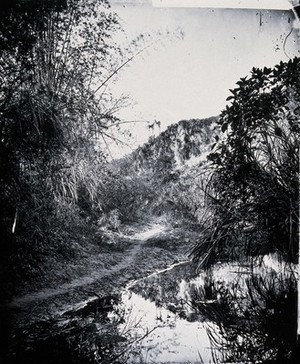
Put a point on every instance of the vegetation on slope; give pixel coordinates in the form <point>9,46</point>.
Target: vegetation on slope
<point>253,193</point>
<point>56,188</point>
<point>163,176</point>
<point>55,60</point>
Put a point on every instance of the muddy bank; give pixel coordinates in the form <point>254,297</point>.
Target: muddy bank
<point>153,247</point>
<point>154,306</point>
<point>243,312</point>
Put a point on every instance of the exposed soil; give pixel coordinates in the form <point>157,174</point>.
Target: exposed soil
<point>130,255</point>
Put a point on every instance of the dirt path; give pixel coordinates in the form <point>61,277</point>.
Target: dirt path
<point>138,239</point>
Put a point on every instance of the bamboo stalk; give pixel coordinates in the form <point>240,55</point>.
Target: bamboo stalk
<point>15,222</point>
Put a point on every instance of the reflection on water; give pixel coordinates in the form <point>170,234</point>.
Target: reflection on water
<point>159,335</point>
<point>233,313</point>
<point>256,323</point>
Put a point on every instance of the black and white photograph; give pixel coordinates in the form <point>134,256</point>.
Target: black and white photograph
<point>149,181</point>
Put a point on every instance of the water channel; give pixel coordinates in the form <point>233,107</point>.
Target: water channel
<point>160,322</point>
<point>179,315</point>
<point>233,313</point>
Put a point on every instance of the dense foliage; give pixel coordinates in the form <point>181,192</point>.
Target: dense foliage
<point>163,176</point>
<point>56,58</point>
<point>254,189</point>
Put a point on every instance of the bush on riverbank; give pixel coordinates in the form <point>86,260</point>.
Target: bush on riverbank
<point>254,323</point>
<point>253,193</point>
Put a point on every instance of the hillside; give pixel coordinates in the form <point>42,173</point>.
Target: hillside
<point>165,175</point>
<point>185,143</point>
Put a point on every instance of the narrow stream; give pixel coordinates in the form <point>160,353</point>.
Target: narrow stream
<point>159,335</point>
<point>232,313</point>
<point>159,323</point>
<point>172,315</point>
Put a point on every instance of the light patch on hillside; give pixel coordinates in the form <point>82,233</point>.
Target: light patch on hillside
<point>154,230</point>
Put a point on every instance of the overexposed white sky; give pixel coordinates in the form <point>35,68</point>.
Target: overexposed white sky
<point>189,77</point>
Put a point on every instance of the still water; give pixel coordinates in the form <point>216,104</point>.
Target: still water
<point>159,335</point>
<point>233,313</point>
<point>179,315</point>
